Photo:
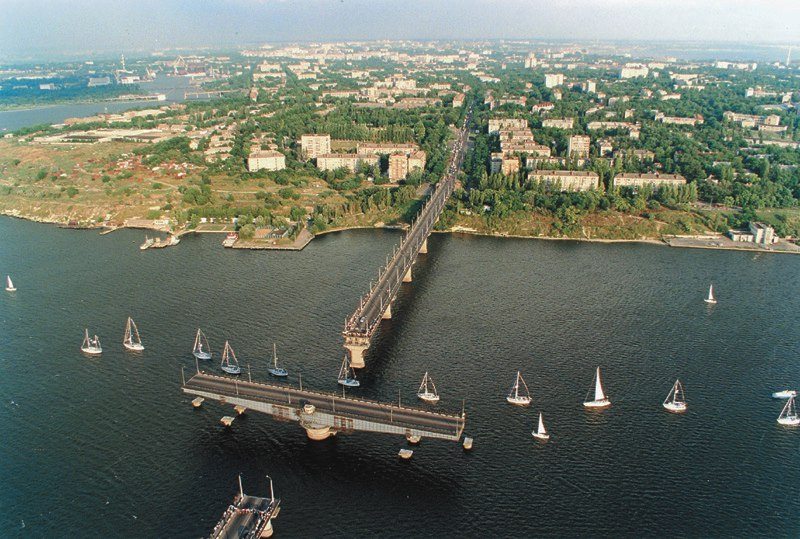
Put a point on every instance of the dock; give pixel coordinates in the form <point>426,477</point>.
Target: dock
<point>324,414</point>
<point>248,517</point>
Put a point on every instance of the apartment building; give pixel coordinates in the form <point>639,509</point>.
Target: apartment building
<point>567,180</point>
<point>266,160</point>
<point>313,146</point>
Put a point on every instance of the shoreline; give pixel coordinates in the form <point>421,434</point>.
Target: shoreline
<point>663,241</point>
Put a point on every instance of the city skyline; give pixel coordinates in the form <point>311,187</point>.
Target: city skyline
<point>38,28</point>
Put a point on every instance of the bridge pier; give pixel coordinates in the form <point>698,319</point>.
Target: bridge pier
<point>356,351</point>
<point>407,276</point>
<point>387,314</point>
<point>318,433</point>
<point>424,248</point>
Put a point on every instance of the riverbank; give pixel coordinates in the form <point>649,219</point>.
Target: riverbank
<point>707,241</point>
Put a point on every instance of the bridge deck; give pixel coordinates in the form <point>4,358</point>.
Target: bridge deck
<point>432,424</point>
<point>367,316</point>
<point>246,518</point>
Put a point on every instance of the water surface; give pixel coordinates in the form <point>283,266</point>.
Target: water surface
<point>110,446</point>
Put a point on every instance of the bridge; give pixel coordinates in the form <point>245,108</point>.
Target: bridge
<point>248,517</point>
<point>376,305</point>
<point>324,414</point>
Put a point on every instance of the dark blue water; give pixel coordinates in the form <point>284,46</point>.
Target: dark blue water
<point>110,447</point>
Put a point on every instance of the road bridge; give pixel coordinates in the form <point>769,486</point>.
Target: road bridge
<point>376,304</point>
<point>324,414</point>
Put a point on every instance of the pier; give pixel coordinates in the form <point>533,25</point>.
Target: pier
<point>248,517</point>
<point>324,414</point>
<point>376,304</point>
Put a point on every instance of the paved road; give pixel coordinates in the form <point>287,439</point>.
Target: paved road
<point>353,408</point>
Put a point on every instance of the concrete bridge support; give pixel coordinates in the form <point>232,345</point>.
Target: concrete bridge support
<point>356,351</point>
<point>387,314</point>
<point>407,276</point>
<point>424,248</point>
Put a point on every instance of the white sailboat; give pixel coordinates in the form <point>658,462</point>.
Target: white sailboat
<point>132,340</point>
<point>784,394</point>
<point>10,285</point>
<point>541,433</point>
<point>424,392</point>
<point>600,399</point>
<point>517,398</point>
<point>788,415</point>
<point>710,299</point>
<point>201,349</point>
<point>676,400</point>
<point>229,362</point>
<point>347,377</point>
<point>275,370</point>
<point>91,346</point>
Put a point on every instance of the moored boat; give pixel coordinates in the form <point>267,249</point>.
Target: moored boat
<point>201,349</point>
<point>515,396</point>
<point>91,345</point>
<point>710,299</point>
<point>347,377</point>
<point>132,340</point>
<point>784,394</point>
<point>788,415</point>
<point>675,401</point>
<point>600,399</point>
<point>428,394</point>
<point>229,362</point>
<point>541,433</point>
<point>279,372</point>
<point>10,285</point>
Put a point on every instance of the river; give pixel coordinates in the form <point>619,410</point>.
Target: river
<point>111,447</point>
<point>171,87</point>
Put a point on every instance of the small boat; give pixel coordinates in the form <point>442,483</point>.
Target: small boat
<point>132,340</point>
<point>275,370</point>
<point>148,242</point>
<point>91,346</point>
<point>785,394</point>
<point>710,299</point>
<point>676,400</point>
<point>541,433</point>
<point>10,285</point>
<point>347,377</point>
<point>788,415</point>
<point>229,363</point>
<point>600,399</point>
<point>201,350</point>
<point>424,392</point>
<point>467,445</point>
<point>514,396</point>
<point>405,454</point>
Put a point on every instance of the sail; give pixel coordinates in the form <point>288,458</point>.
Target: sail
<point>541,429</point>
<point>598,388</point>
<point>274,355</point>
<point>711,292</point>
<point>9,284</point>
<point>788,410</point>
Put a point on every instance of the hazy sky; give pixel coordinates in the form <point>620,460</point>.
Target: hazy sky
<point>80,26</point>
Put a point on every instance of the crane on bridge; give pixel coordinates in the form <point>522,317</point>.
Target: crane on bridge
<point>376,304</point>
